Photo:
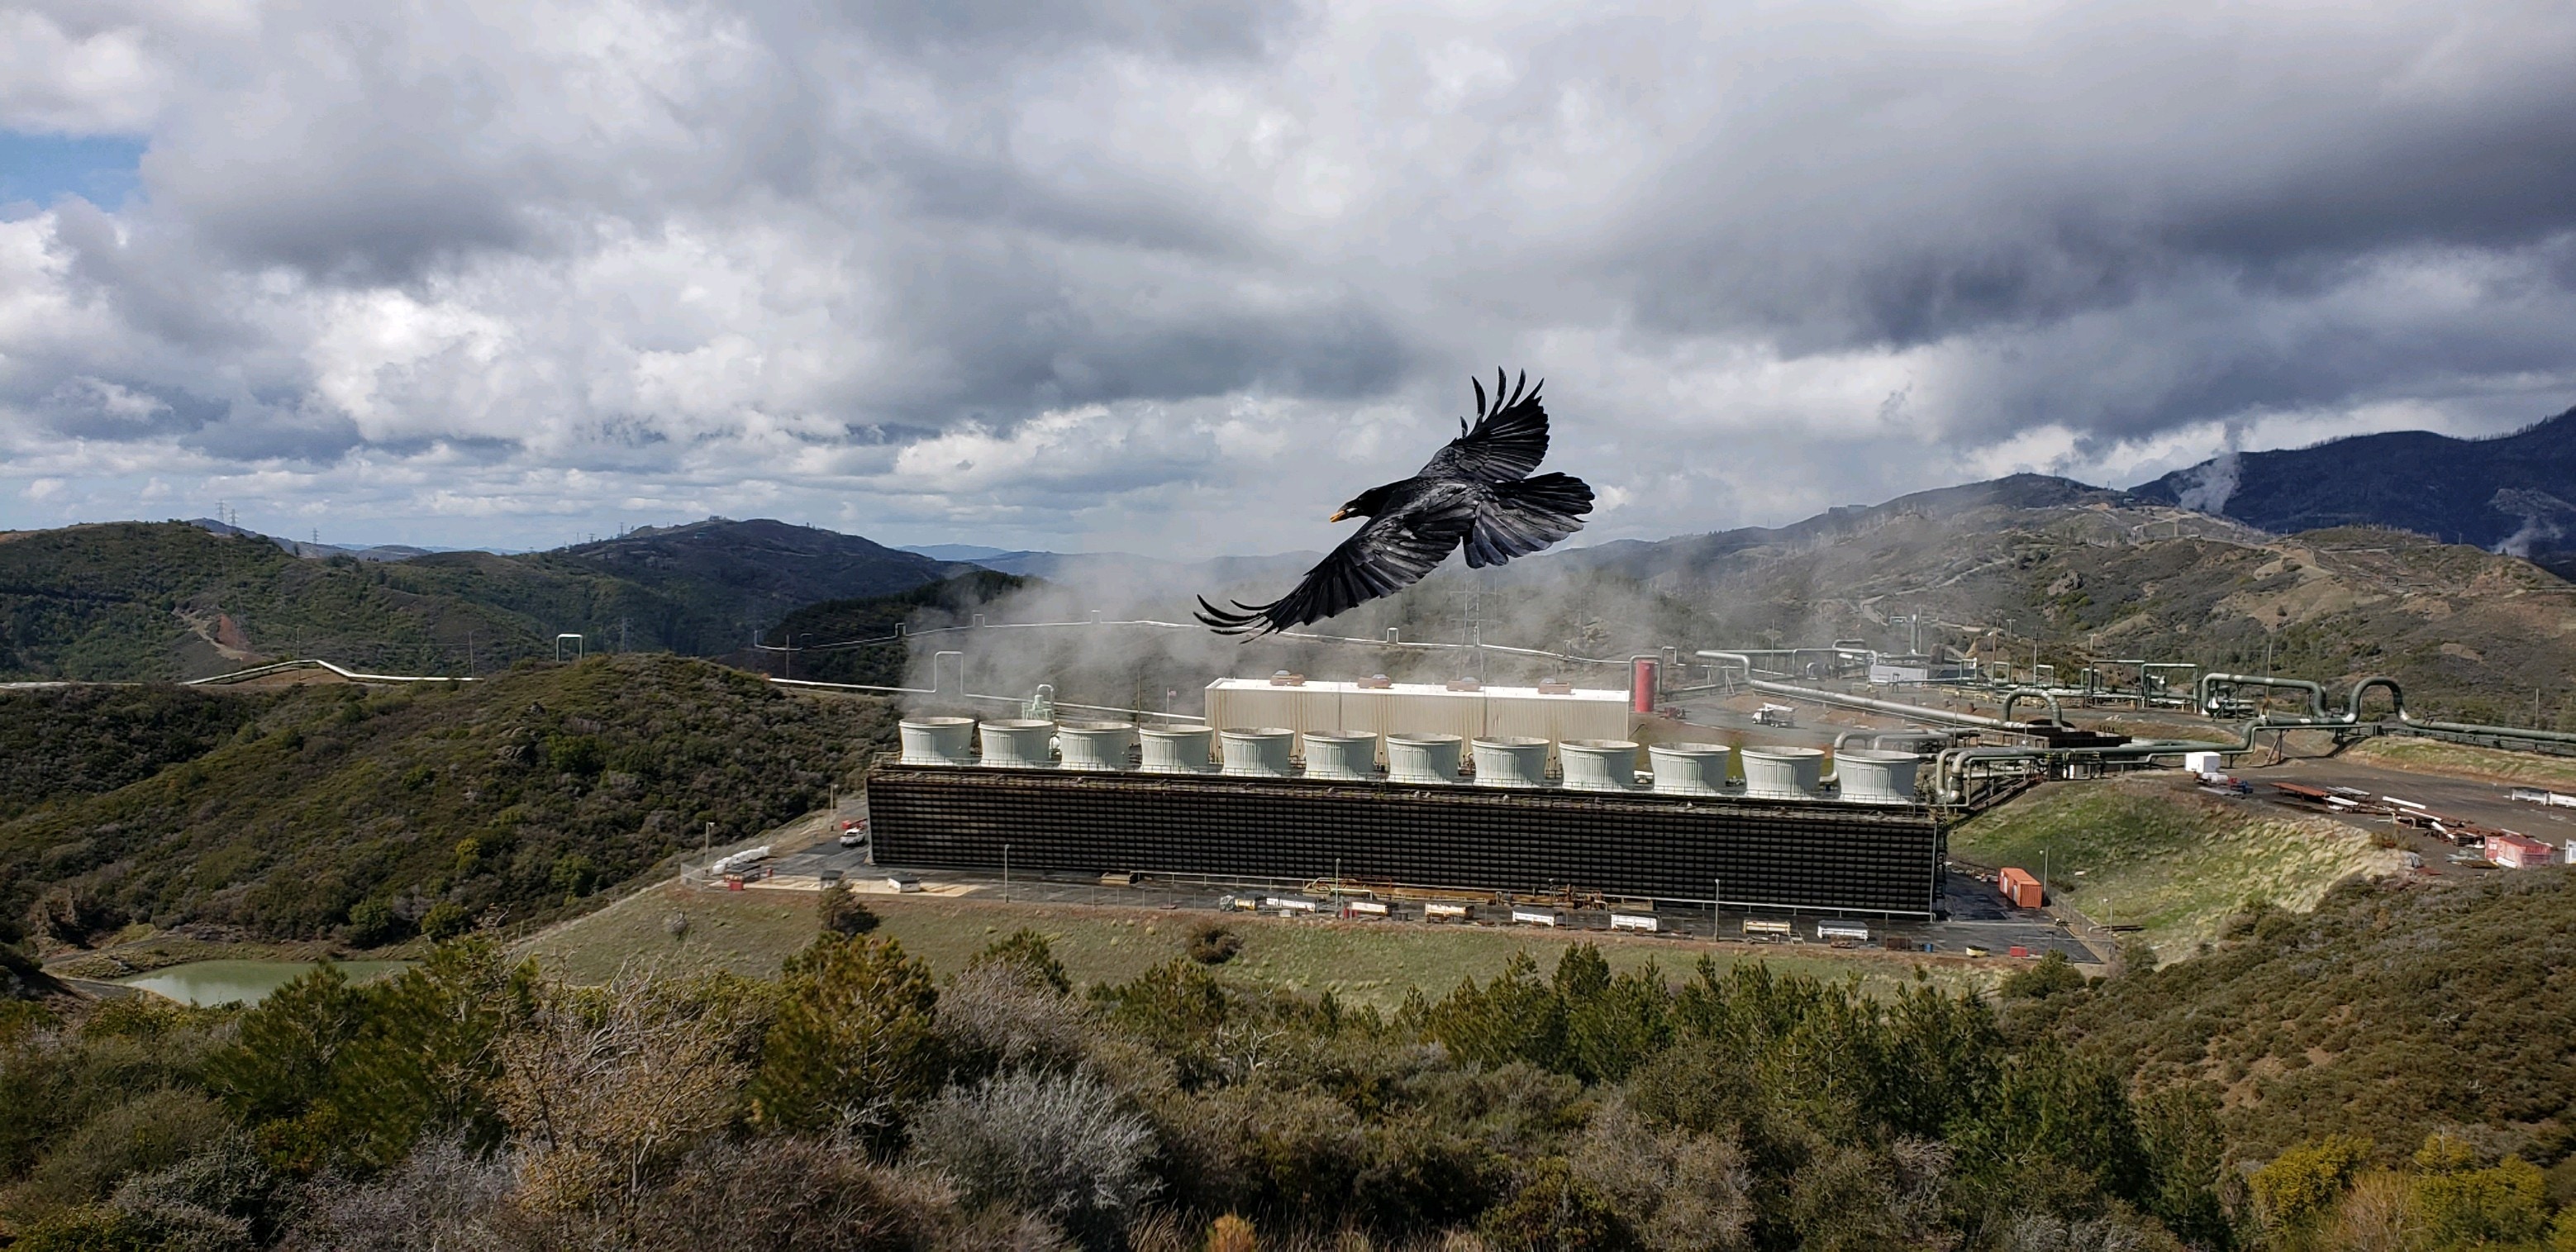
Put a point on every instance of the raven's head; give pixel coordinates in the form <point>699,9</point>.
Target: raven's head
<point>1365,504</point>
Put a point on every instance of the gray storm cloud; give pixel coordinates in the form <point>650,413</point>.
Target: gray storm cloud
<point>1120,276</point>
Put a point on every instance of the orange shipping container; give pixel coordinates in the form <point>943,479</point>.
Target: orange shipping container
<point>2020,888</point>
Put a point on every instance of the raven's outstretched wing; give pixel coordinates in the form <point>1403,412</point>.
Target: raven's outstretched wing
<point>1508,441</point>
<point>1388,555</point>
<point>1519,518</point>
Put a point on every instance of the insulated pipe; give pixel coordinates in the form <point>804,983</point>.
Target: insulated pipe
<point>2017,694</point>
<point>1914,711</point>
<point>2205,696</point>
<point>2397,695</point>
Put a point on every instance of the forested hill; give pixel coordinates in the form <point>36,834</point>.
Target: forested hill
<point>341,811</point>
<point>2515,493</point>
<point>144,601</point>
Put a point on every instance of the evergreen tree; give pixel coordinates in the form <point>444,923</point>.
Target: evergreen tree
<point>853,1041</point>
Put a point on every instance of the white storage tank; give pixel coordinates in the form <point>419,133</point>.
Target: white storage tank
<point>1870,776</point>
<point>1018,744</point>
<point>1422,758</point>
<point>1516,761</point>
<point>1689,769</point>
<point>1097,747</point>
<point>1176,749</point>
<point>1257,751</point>
<point>1599,764</point>
<point>1341,758</point>
<point>937,740</point>
<point>1783,773</point>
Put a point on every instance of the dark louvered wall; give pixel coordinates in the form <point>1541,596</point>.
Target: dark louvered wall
<point>1820,856</point>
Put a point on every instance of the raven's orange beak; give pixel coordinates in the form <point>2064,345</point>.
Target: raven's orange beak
<point>1338,514</point>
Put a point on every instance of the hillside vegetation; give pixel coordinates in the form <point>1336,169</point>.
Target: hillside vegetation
<point>2393,1009</point>
<point>377,814</point>
<point>814,629</point>
<point>2093,575</point>
<point>131,601</point>
<point>67,742</point>
<point>2153,851</point>
<point>2303,1089</point>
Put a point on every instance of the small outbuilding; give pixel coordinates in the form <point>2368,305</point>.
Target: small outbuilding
<point>2020,888</point>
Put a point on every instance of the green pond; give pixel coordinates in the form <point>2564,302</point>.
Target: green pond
<point>222,982</point>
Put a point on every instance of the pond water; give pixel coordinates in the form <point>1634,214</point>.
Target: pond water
<point>222,982</point>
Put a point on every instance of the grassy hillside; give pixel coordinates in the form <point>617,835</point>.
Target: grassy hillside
<point>2152,851</point>
<point>377,814</point>
<point>147,601</point>
<point>2428,756</point>
<point>2390,1010</point>
<point>752,933</point>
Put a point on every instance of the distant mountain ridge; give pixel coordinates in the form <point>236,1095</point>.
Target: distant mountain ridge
<point>164,600</point>
<point>2514,493</point>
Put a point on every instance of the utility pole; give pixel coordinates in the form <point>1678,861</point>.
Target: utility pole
<point>707,848</point>
<point>1006,873</point>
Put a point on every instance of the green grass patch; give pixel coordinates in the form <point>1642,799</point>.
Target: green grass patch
<point>2432,756</point>
<point>2145,851</point>
<point>751,932</point>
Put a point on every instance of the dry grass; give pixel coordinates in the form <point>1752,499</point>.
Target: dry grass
<point>2144,851</point>
<point>752,932</point>
<point>2452,760</point>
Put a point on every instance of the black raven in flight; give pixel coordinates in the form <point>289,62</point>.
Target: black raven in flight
<point>1476,492</point>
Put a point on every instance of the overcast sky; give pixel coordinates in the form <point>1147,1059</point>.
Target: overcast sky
<point>1180,277</point>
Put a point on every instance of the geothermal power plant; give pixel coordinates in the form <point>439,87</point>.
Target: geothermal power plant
<point>1432,786</point>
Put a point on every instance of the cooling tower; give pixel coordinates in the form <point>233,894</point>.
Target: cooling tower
<point>1599,764</point>
<point>1257,751</point>
<point>1782,773</point>
<point>1176,749</point>
<point>1018,744</point>
<point>1099,747</point>
<point>1689,769</point>
<point>1341,758</point>
<point>1513,761</point>
<point>1873,777</point>
<point>937,740</point>
<point>1422,758</point>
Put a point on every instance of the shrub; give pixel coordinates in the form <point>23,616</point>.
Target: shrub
<point>999,1015</point>
<point>2307,1179</point>
<point>854,1039</point>
<point>2051,975</point>
<point>1055,1145</point>
<point>374,923</point>
<point>838,911</point>
<point>446,920</point>
<point>1212,944</point>
<point>1028,951</point>
<point>151,1131</point>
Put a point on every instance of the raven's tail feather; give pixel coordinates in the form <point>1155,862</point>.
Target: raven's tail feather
<point>1526,516</point>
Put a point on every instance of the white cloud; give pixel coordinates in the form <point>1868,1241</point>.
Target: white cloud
<point>1125,277</point>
